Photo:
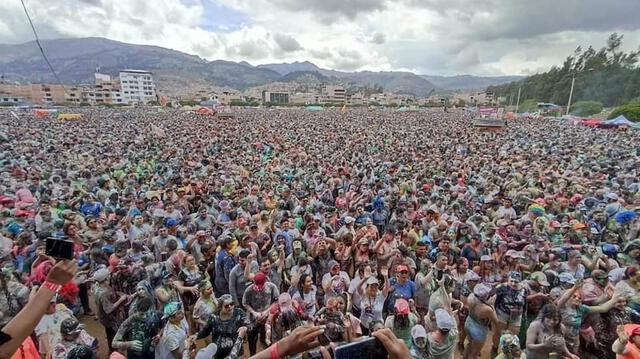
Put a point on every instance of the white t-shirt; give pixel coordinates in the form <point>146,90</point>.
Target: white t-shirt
<point>50,325</point>
<point>337,287</point>
<point>173,337</point>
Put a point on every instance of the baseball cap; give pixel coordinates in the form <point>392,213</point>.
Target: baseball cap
<point>482,290</point>
<point>514,254</point>
<point>207,352</point>
<point>170,309</point>
<point>402,268</point>
<point>471,276</point>
<point>540,278</point>
<point>81,352</point>
<point>401,306</point>
<point>70,326</point>
<point>485,258</point>
<point>566,277</point>
<point>100,275</point>
<point>418,331</point>
<point>373,280</point>
<point>349,220</point>
<point>333,263</point>
<point>443,319</point>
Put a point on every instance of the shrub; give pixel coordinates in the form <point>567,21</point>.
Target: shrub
<point>586,108</point>
<point>631,111</point>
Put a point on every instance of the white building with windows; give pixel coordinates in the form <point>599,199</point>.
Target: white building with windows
<point>137,87</point>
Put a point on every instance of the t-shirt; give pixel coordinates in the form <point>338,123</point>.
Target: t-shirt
<point>50,325</point>
<point>307,300</point>
<point>337,287</point>
<point>260,300</point>
<point>406,290</point>
<point>404,333</point>
<point>140,326</point>
<point>63,348</point>
<point>371,309</point>
<point>173,337</point>
<point>572,318</point>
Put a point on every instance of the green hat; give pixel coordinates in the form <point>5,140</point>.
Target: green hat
<point>170,309</point>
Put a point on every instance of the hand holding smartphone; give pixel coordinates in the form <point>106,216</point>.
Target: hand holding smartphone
<point>365,348</point>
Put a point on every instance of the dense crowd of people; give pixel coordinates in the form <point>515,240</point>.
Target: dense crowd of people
<point>299,232</point>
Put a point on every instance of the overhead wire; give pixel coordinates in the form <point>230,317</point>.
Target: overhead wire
<point>46,59</point>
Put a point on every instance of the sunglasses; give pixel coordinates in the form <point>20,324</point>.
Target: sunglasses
<point>229,305</point>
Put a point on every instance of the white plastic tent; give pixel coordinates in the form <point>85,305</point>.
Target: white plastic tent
<point>618,121</point>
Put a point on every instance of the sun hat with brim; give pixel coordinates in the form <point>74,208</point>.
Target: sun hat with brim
<point>363,241</point>
<point>540,278</point>
<point>170,309</point>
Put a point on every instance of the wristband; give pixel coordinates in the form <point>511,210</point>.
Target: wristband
<point>274,351</point>
<point>54,287</point>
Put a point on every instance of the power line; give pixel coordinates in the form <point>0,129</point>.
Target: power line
<point>35,33</point>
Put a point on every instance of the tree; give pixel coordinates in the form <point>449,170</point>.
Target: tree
<point>529,105</point>
<point>608,75</point>
<point>631,111</point>
<point>586,108</point>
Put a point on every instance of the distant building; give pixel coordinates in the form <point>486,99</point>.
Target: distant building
<point>42,94</point>
<point>137,87</point>
<point>275,97</point>
<point>334,94</point>
<point>475,98</point>
<point>227,97</point>
<point>7,98</point>
<point>355,99</point>
<point>304,98</point>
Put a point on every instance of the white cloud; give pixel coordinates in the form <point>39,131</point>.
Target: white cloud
<point>488,37</point>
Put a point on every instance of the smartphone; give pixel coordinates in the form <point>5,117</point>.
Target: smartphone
<point>365,348</point>
<point>59,248</point>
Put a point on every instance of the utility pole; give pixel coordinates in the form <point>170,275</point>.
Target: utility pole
<point>518,100</point>
<point>573,81</point>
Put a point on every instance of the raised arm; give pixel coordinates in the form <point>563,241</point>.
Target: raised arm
<point>23,324</point>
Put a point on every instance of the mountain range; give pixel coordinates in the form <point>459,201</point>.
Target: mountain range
<point>75,61</point>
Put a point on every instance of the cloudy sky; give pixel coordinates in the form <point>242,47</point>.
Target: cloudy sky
<point>445,37</point>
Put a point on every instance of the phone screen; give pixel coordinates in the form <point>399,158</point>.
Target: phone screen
<point>59,248</point>
<point>366,348</point>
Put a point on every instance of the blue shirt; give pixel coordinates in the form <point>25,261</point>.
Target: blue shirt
<point>406,290</point>
<point>287,241</point>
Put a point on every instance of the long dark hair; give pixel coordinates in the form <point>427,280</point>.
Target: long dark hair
<point>550,311</point>
<point>303,278</point>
